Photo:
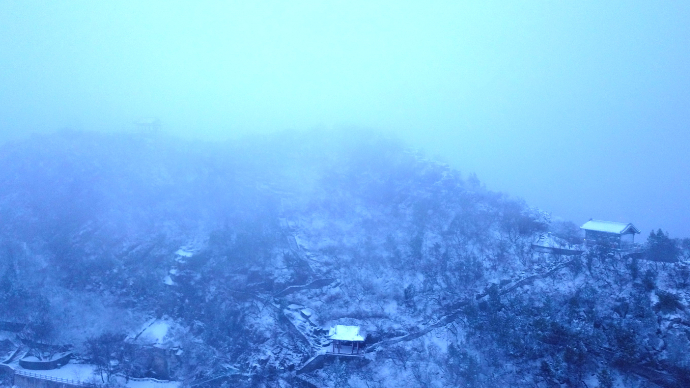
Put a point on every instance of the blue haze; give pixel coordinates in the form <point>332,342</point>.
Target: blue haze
<point>581,108</point>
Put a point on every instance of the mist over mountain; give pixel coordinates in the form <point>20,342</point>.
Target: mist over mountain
<point>288,194</point>
<point>215,264</point>
<point>582,108</point>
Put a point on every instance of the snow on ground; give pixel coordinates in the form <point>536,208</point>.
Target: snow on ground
<point>391,308</point>
<point>184,252</point>
<point>155,332</point>
<point>76,372</point>
<point>438,338</point>
<point>7,335</point>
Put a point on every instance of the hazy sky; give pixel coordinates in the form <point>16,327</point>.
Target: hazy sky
<point>582,108</point>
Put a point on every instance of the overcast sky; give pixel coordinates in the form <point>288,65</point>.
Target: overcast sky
<point>581,108</point>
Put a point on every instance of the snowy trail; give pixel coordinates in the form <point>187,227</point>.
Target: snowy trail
<point>319,283</point>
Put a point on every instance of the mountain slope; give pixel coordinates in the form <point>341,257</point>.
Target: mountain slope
<point>247,251</point>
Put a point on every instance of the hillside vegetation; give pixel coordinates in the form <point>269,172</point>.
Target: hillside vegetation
<point>250,250</point>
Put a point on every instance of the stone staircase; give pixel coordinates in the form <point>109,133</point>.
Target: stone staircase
<point>314,334</point>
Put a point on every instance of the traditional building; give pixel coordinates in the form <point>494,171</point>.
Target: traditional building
<point>345,338</point>
<point>617,234</point>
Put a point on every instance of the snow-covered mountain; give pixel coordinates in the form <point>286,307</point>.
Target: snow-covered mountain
<point>225,264</point>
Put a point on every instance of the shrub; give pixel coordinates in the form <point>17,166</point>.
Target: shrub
<point>668,302</point>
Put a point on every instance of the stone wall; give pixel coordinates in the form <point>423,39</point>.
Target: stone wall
<point>45,365</point>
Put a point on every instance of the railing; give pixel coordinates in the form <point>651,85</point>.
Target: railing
<point>53,378</point>
<point>149,379</point>
<point>81,383</point>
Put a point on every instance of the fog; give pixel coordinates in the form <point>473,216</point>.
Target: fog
<point>582,109</point>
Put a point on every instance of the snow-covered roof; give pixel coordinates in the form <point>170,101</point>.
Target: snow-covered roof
<point>610,227</point>
<point>184,252</point>
<point>345,333</point>
<point>155,333</point>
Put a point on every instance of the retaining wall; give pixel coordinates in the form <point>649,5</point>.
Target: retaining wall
<point>24,379</point>
<point>45,365</point>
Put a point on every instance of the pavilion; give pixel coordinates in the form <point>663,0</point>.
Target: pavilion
<point>345,337</point>
<point>618,234</point>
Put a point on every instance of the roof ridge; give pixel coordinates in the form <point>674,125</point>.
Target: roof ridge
<point>609,226</point>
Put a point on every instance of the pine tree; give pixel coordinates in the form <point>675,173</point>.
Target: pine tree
<point>661,248</point>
